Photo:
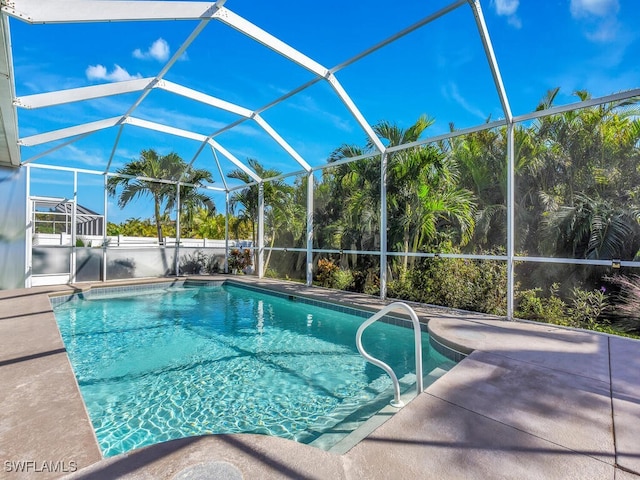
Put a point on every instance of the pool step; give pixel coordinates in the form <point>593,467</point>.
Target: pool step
<point>345,434</point>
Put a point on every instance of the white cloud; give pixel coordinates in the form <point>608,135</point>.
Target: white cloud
<point>309,105</point>
<point>159,50</point>
<point>599,18</point>
<point>605,31</point>
<point>93,157</point>
<point>451,91</point>
<point>118,74</point>
<point>179,119</point>
<point>506,7</point>
<point>509,9</point>
<point>598,8</point>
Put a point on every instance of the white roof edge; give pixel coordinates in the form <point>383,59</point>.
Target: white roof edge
<point>80,11</point>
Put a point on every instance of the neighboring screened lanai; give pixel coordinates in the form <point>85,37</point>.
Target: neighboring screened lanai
<point>455,153</point>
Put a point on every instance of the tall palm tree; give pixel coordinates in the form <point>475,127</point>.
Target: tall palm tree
<point>277,198</point>
<point>588,179</point>
<point>247,198</point>
<point>592,228</point>
<point>422,191</point>
<point>136,181</point>
<point>348,206</point>
<point>193,200</point>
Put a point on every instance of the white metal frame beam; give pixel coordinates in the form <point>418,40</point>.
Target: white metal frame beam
<point>259,35</point>
<point>203,98</point>
<point>54,135</point>
<point>234,160</point>
<point>8,114</point>
<point>506,108</point>
<point>82,11</point>
<point>491,58</point>
<point>71,11</point>
<point>295,155</point>
<point>179,132</point>
<point>71,95</point>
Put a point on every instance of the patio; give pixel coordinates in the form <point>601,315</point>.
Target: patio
<point>529,401</point>
<point>516,205</point>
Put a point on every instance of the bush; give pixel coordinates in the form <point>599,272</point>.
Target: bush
<point>239,260</point>
<point>329,275</point>
<point>342,279</point>
<point>325,272</point>
<point>550,309</point>
<point>625,313</point>
<point>454,282</point>
<point>585,309</point>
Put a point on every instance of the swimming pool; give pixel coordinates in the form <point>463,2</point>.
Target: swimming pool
<point>166,363</point>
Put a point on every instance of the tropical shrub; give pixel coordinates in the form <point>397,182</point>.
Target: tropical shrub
<point>585,308</point>
<point>625,313</point>
<point>533,306</point>
<point>342,279</point>
<point>477,285</point>
<point>325,272</point>
<point>239,260</point>
<point>330,275</point>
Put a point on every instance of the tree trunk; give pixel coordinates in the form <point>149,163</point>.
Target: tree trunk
<point>273,240</point>
<point>158,220</point>
<point>405,238</point>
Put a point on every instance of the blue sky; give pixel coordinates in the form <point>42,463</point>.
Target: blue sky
<point>439,70</point>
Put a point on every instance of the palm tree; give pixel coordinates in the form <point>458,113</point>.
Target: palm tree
<point>481,158</point>
<point>192,200</point>
<point>587,179</point>
<point>348,205</point>
<point>592,228</point>
<point>137,180</point>
<point>277,198</point>
<point>422,192</point>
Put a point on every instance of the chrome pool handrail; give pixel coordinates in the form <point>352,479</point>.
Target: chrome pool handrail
<point>396,402</point>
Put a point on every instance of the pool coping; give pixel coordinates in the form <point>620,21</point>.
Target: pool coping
<point>31,353</point>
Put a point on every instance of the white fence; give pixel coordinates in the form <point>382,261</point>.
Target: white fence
<point>63,239</point>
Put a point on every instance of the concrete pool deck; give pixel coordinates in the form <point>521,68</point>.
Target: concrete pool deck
<point>530,401</point>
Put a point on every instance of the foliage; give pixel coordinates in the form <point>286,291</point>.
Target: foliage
<point>239,259</point>
<point>532,306</point>
<point>325,272</point>
<point>585,308</point>
<point>330,275</point>
<point>454,282</point>
<point>132,183</point>
<point>204,224</point>
<point>136,227</point>
<point>626,309</point>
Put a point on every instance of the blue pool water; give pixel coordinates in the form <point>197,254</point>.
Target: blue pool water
<point>175,362</point>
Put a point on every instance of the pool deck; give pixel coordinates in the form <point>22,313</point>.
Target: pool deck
<point>530,401</point>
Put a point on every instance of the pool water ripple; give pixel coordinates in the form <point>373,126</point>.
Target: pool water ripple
<point>195,361</point>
